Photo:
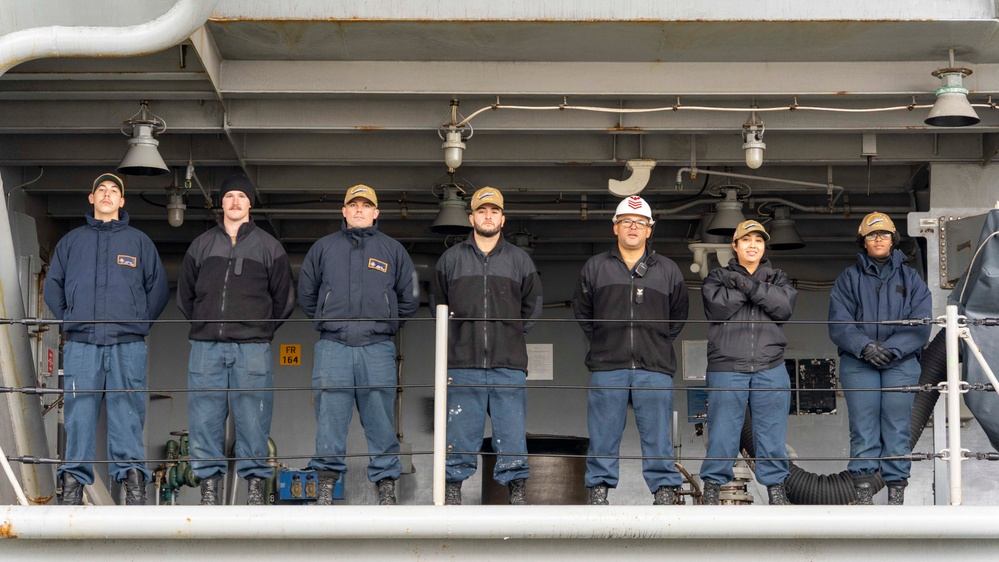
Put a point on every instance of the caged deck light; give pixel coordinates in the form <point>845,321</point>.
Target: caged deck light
<point>752,140</point>
<point>454,133</point>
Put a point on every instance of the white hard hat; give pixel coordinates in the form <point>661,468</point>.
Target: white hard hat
<point>633,205</point>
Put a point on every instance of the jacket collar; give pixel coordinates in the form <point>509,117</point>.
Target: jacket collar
<point>119,224</point>
<point>865,264</point>
<point>243,232</point>
<point>358,233</point>
<point>764,268</point>
<point>500,243</point>
<point>650,254</point>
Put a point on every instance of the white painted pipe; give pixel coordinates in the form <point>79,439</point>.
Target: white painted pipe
<point>953,405</point>
<point>168,30</point>
<point>499,522</point>
<point>21,498</point>
<point>440,403</point>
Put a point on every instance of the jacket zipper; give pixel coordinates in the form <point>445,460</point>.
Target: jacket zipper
<point>485,311</point>
<point>631,314</point>
<point>631,325</point>
<point>225,287</point>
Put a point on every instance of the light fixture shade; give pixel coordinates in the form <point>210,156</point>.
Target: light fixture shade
<point>142,157</point>
<point>453,148</point>
<point>754,153</point>
<point>952,108</point>
<point>175,209</point>
<point>452,218</point>
<point>783,235</point>
<point>702,231</point>
<point>728,215</point>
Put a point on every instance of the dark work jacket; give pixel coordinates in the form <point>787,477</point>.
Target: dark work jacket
<point>747,347</point>
<point>106,271</point>
<point>503,284</point>
<point>248,280</point>
<point>608,290</point>
<point>864,293</point>
<point>358,273</point>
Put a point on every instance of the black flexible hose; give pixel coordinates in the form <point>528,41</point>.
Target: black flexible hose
<point>934,370</point>
<point>808,488</point>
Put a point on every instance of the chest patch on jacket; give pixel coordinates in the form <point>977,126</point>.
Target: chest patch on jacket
<point>377,265</point>
<point>130,261</point>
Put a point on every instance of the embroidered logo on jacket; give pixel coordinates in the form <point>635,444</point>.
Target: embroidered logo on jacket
<point>130,261</point>
<point>377,265</point>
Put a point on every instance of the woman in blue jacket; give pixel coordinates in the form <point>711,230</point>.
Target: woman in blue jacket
<point>879,287</point>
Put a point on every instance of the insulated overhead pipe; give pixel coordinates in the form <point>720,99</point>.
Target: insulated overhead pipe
<point>173,27</point>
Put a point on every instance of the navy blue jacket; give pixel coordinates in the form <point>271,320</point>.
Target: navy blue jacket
<point>608,290</point>
<point>503,284</point>
<point>248,280</point>
<point>358,273</point>
<point>106,271</point>
<point>863,293</point>
<point>767,297</point>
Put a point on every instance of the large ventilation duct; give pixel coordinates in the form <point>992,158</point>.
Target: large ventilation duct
<point>171,28</point>
<point>975,297</point>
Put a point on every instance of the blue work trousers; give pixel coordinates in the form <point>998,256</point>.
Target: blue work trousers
<point>104,367</point>
<point>607,411</point>
<point>879,421</point>
<point>727,414</point>
<point>467,408</point>
<point>246,370</point>
<point>338,365</point>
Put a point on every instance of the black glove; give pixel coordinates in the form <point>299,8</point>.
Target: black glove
<point>736,280</point>
<point>876,355</point>
<point>731,279</point>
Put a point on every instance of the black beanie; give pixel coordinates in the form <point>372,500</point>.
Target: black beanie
<point>238,182</point>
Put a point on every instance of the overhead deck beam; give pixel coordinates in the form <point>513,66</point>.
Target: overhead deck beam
<point>783,80</point>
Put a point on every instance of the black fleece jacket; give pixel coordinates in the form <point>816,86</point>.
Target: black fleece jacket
<point>608,290</point>
<point>248,280</point>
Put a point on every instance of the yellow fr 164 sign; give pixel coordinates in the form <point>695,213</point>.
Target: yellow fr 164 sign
<point>291,354</point>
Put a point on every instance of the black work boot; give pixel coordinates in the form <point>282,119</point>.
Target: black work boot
<point>518,491</point>
<point>72,490</point>
<point>865,493</point>
<point>598,495</point>
<point>711,493</point>
<point>665,495</point>
<point>386,491</point>
<point>210,490</point>
<point>896,493</point>
<point>327,481</point>
<point>452,493</point>
<point>778,494</point>
<point>135,487</point>
<point>254,490</point>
